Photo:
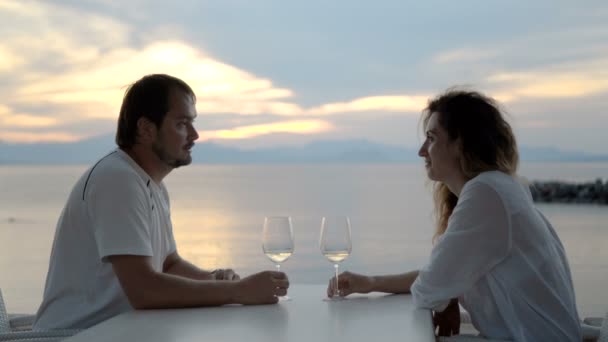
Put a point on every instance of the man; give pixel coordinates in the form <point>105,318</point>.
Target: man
<point>114,248</point>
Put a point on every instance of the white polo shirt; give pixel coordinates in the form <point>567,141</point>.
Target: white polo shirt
<point>506,264</point>
<point>114,209</point>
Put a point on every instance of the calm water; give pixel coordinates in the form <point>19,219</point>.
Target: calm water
<point>218,213</point>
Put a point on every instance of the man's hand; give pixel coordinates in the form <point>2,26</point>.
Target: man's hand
<point>447,322</point>
<point>224,274</point>
<point>261,288</point>
<point>348,283</point>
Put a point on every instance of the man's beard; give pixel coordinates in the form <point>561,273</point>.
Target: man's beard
<point>166,158</point>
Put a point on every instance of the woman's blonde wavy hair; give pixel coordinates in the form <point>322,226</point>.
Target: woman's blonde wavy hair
<point>486,139</point>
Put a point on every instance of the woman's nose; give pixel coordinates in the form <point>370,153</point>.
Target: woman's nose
<point>422,150</point>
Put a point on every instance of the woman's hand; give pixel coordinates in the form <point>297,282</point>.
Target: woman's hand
<point>349,283</point>
<point>225,274</point>
<point>447,322</point>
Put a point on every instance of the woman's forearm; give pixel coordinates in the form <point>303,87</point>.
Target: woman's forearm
<point>395,283</point>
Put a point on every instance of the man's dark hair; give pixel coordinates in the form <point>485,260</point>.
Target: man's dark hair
<point>149,97</point>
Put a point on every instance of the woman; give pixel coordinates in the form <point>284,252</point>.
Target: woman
<point>493,250</point>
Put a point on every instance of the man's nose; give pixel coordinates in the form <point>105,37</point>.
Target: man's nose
<point>194,134</point>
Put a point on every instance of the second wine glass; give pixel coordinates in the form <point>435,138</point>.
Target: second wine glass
<point>335,242</point>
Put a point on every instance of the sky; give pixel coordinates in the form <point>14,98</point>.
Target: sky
<point>270,73</point>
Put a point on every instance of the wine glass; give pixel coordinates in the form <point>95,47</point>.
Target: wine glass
<point>335,242</point>
<point>277,240</point>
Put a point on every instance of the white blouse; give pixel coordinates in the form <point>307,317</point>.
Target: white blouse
<point>503,260</point>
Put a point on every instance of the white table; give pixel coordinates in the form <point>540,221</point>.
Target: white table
<point>369,318</point>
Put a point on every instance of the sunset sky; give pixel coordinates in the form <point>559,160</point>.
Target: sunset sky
<point>270,73</point>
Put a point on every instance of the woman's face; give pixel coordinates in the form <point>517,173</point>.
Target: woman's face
<point>441,156</point>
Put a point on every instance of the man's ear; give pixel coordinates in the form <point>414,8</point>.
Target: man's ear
<point>146,130</point>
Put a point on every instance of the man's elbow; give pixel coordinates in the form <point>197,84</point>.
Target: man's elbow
<point>140,299</point>
<point>141,291</point>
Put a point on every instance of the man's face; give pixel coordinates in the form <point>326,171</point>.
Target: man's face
<point>177,134</point>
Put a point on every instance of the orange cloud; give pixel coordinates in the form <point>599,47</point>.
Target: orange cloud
<point>8,118</point>
<point>374,103</point>
<point>553,83</point>
<point>9,60</point>
<point>32,137</point>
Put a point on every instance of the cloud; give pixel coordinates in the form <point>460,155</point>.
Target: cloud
<point>464,55</point>
<point>563,80</point>
<point>33,137</point>
<point>78,64</point>
<point>8,118</point>
<point>293,127</point>
<point>9,60</point>
<point>536,65</point>
<point>374,103</point>
<point>219,87</point>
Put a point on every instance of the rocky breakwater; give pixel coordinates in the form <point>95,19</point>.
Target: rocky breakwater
<point>562,192</point>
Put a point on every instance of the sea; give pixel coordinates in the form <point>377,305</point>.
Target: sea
<point>218,213</point>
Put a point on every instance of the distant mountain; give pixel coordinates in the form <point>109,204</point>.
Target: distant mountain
<point>342,151</point>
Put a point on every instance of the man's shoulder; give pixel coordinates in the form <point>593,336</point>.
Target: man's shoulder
<point>113,170</point>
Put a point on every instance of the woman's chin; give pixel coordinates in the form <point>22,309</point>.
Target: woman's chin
<point>429,173</point>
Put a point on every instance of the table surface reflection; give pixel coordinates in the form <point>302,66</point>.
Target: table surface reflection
<point>306,317</point>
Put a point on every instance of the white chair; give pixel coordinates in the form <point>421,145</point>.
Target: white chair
<point>18,328</point>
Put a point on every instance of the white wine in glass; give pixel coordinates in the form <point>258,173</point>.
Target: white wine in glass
<point>335,242</point>
<point>277,240</point>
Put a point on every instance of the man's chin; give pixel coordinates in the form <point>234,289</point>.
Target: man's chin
<point>183,162</point>
<point>180,162</point>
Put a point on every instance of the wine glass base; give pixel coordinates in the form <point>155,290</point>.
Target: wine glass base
<point>284,298</point>
<point>334,299</point>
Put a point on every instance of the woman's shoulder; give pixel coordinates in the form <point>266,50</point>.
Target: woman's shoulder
<point>506,187</point>
<point>494,179</point>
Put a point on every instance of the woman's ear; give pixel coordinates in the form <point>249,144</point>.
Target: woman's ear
<point>456,147</point>
<point>146,130</point>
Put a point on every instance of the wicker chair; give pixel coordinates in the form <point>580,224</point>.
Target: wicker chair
<point>18,328</point>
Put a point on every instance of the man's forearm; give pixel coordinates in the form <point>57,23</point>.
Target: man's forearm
<point>147,288</point>
<point>186,269</point>
<point>163,291</point>
<point>397,283</point>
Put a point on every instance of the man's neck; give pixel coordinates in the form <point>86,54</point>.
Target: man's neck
<point>149,162</point>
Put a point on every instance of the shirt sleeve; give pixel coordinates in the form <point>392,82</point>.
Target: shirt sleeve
<point>119,209</point>
<point>478,237</point>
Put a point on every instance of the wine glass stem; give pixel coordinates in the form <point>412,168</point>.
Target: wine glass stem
<point>278,266</point>
<point>337,287</point>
